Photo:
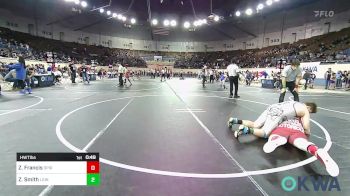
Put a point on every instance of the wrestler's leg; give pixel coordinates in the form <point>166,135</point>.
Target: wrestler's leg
<point>256,124</point>
<point>278,137</point>
<point>271,122</point>
<point>300,141</point>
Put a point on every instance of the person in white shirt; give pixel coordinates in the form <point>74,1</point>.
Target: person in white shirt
<point>232,70</point>
<point>163,75</point>
<point>121,73</point>
<point>211,76</point>
<point>58,75</point>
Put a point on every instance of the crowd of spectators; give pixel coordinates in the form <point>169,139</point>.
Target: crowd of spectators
<point>337,80</point>
<point>333,46</point>
<point>13,44</point>
<point>330,47</point>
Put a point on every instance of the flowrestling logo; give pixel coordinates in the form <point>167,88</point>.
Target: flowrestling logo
<point>320,183</point>
<point>326,14</point>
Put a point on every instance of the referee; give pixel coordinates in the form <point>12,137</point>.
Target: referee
<point>232,70</point>
<point>291,76</point>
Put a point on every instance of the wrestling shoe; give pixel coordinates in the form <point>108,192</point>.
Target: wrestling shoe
<point>231,121</point>
<point>273,143</point>
<point>331,166</point>
<point>242,130</point>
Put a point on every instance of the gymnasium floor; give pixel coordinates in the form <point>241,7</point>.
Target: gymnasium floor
<point>166,138</point>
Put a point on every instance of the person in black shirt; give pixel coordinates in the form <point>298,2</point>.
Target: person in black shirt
<point>2,74</point>
<point>312,80</point>
<point>73,72</point>
<point>327,77</point>
<point>204,75</point>
<point>306,77</point>
<point>345,79</point>
<point>99,74</point>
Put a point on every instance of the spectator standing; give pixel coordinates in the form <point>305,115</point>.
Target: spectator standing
<point>85,74</point>
<point>2,73</point>
<point>338,77</point>
<point>248,77</point>
<point>127,76</point>
<point>345,79</point>
<point>223,77</point>
<point>163,71</point>
<point>168,74</point>
<point>204,75</point>
<point>28,80</point>
<point>312,80</point>
<point>100,74</point>
<point>332,80</point>
<point>73,72</point>
<point>347,85</point>
<point>327,77</point>
<point>306,77</point>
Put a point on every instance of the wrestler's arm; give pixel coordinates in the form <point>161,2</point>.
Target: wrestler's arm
<point>306,123</point>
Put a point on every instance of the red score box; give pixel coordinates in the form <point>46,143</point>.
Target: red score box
<point>93,167</point>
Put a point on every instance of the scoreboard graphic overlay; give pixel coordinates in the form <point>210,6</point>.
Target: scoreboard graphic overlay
<point>58,169</point>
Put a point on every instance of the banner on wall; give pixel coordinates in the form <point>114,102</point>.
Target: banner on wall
<point>319,69</point>
<point>311,66</point>
<point>158,58</point>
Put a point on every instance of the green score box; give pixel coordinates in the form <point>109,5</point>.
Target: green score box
<point>93,179</point>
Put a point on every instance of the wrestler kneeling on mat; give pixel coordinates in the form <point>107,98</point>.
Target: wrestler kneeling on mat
<point>273,116</point>
<point>292,131</point>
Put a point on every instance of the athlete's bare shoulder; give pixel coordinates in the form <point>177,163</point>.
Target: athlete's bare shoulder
<point>300,109</point>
